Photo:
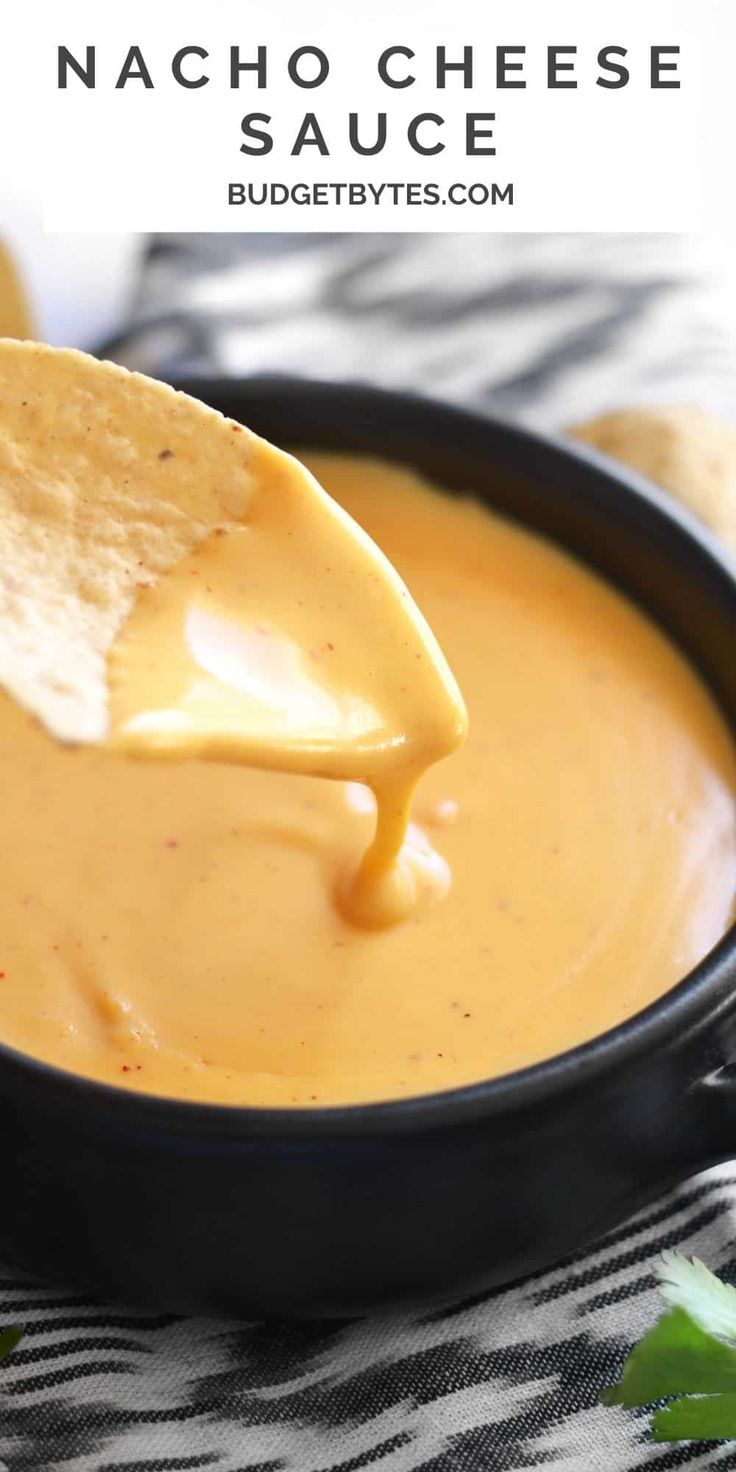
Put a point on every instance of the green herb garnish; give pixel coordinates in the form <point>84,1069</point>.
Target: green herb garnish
<point>690,1354</point>
<point>9,1338</point>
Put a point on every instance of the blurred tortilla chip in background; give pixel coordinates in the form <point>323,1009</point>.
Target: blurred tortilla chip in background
<point>684,449</point>
<point>15,313</point>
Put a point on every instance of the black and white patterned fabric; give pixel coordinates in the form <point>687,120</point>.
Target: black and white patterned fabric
<point>549,329</point>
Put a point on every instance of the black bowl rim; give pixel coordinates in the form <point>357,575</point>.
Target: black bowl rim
<point>693,1003</point>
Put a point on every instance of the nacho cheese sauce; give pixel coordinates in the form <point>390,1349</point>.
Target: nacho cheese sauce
<point>172,927</point>
<point>291,643</point>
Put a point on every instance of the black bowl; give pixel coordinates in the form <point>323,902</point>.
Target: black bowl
<point>332,1211</point>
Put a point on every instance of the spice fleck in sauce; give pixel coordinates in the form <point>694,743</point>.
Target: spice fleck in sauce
<point>172,927</point>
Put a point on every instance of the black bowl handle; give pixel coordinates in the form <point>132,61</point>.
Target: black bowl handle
<point>714,1097</point>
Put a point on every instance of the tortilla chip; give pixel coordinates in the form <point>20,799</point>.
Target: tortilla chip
<point>15,316</point>
<point>684,450</point>
<point>107,479</point>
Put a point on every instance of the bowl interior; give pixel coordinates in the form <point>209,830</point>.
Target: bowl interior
<point>622,526</point>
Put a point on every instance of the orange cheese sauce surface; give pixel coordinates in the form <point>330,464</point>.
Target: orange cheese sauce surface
<point>172,927</point>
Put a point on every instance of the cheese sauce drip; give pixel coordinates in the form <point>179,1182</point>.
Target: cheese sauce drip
<point>291,643</point>
<point>171,927</point>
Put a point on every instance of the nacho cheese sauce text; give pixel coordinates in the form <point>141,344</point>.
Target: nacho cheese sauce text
<point>173,927</point>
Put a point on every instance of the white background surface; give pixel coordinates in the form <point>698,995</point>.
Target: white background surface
<point>80,286</point>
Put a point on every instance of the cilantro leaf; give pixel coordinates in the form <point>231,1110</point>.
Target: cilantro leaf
<point>675,1356</point>
<point>9,1338</point>
<point>690,1354</point>
<point>689,1284</point>
<point>696,1418</point>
